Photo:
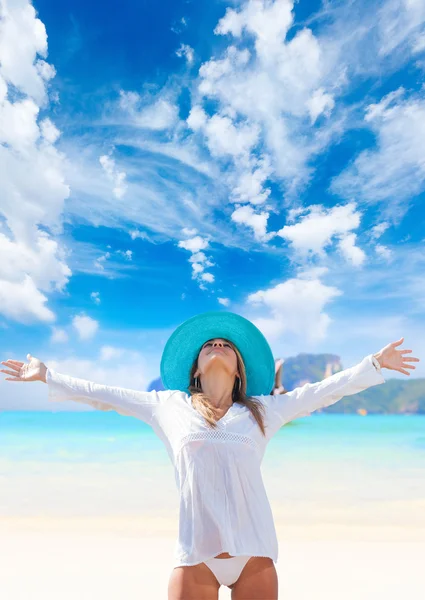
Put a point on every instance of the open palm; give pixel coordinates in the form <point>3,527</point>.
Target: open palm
<point>391,358</point>
<point>31,371</point>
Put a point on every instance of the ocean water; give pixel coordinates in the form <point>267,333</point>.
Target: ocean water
<point>111,438</point>
<point>108,463</point>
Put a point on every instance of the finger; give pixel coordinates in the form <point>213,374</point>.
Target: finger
<point>7,372</point>
<point>14,362</point>
<point>14,379</point>
<point>11,366</point>
<point>400,341</point>
<point>403,371</point>
<point>412,359</point>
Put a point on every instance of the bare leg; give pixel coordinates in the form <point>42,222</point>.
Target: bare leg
<point>258,581</point>
<point>193,583</point>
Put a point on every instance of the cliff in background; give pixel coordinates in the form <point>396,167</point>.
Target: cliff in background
<point>395,396</point>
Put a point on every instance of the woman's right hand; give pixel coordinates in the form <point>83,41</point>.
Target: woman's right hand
<point>34,370</point>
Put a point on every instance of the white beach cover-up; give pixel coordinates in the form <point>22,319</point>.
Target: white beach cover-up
<point>223,503</point>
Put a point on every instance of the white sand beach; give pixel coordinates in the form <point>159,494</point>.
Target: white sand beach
<point>86,558</point>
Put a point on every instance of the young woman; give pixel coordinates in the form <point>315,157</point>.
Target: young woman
<point>216,417</point>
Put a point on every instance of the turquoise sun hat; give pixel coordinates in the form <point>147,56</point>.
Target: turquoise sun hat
<point>185,343</point>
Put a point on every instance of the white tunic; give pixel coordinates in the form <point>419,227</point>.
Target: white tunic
<point>223,503</point>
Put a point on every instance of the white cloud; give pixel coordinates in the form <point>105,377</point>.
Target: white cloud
<point>224,137</point>
<point>198,259</point>
<point>383,251</point>
<point>86,326</point>
<point>245,215</point>
<point>189,232</point>
<point>143,113</point>
<point>315,231</point>
<point>187,52</point>
<point>48,130</point>
<point>249,185</point>
<point>401,22</point>
<point>42,262</point>
<point>32,187</point>
<point>59,336</point>
<point>320,103</point>
<point>99,262</point>
<point>224,301</point>
<point>194,244</point>
<point>134,234</point>
<point>116,177</point>
<point>20,65</point>
<point>209,277</point>
<point>95,296</point>
<point>18,124</point>
<point>127,254</point>
<point>350,251</point>
<point>296,306</point>
<point>26,274</point>
<point>23,302</point>
<point>268,21</point>
<point>379,229</point>
<point>394,170</point>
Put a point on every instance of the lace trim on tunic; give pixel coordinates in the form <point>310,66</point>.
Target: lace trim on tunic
<point>217,435</point>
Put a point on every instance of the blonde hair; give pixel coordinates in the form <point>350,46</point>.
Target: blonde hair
<point>202,403</point>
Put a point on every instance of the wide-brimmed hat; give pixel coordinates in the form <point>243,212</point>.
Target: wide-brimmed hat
<point>185,343</point>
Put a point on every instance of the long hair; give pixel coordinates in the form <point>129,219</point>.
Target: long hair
<point>202,402</point>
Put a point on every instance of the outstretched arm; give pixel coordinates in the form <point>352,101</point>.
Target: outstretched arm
<point>305,399</point>
<point>139,404</point>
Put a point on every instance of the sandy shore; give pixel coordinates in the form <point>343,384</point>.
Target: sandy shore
<point>89,559</point>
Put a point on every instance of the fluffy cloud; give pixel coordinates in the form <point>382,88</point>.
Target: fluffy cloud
<point>187,52</point>
<point>198,259</point>
<point>86,326</point>
<point>224,301</point>
<point>23,302</point>
<point>315,231</point>
<point>297,305</point>
<point>32,186</point>
<point>245,215</point>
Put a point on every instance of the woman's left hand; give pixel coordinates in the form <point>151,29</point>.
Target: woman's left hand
<point>391,358</point>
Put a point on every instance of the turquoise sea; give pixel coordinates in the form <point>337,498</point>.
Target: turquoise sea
<point>109,437</point>
<point>46,457</point>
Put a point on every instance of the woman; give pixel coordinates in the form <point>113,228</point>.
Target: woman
<point>215,418</point>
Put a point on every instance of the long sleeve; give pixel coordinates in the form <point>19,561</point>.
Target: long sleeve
<point>141,405</point>
<point>304,400</point>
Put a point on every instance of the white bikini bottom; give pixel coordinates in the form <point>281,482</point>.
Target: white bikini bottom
<point>227,570</point>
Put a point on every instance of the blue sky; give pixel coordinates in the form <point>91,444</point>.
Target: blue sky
<point>260,157</point>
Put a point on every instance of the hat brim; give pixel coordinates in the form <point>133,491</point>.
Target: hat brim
<point>184,345</point>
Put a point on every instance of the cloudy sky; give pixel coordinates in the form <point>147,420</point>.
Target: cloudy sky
<point>261,157</point>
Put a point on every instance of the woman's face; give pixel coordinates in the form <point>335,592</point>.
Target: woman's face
<point>217,353</point>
